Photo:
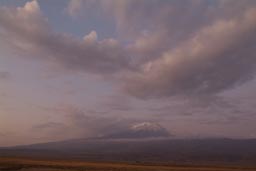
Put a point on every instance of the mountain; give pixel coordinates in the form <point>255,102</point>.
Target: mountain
<point>139,131</point>
<point>165,150</point>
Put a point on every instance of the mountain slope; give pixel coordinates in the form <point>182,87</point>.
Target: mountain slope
<point>150,150</point>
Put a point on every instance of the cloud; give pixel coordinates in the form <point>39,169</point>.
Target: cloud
<point>117,103</point>
<point>77,123</point>
<point>26,30</point>
<point>155,26</point>
<point>2,134</point>
<point>96,125</point>
<point>51,130</point>
<point>218,57</point>
<point>74,7</point>
<point>4,75</point>
<point>183,47</point>
<point>49,125</point>
<point>191,48</point>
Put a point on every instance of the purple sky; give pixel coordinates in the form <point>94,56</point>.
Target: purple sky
<point>74,69</point>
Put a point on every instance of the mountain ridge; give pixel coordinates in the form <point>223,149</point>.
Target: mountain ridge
<point>144,150</point>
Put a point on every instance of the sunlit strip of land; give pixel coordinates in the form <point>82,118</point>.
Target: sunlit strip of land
<point>25,164</point>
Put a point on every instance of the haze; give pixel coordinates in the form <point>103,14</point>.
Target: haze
<point>77,69</point>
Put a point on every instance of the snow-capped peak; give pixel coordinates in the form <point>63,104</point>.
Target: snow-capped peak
<point>146,126</point>
<point>141,130</point>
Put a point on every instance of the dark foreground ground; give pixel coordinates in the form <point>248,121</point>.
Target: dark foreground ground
<point>25,164</point>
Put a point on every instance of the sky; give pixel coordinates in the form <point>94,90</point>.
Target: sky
<point>77,69</point>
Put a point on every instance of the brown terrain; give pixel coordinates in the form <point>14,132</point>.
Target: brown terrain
<point>26,164</point>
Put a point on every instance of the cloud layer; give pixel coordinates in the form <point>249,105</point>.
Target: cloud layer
<point>218,57</point>
<point>27,30</point>
<point>174,48</point>
<point>4,75</point>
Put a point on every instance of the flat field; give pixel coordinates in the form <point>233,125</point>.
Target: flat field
<point>24,164</point>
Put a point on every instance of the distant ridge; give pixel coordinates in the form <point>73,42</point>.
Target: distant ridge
<point>200,151</point>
